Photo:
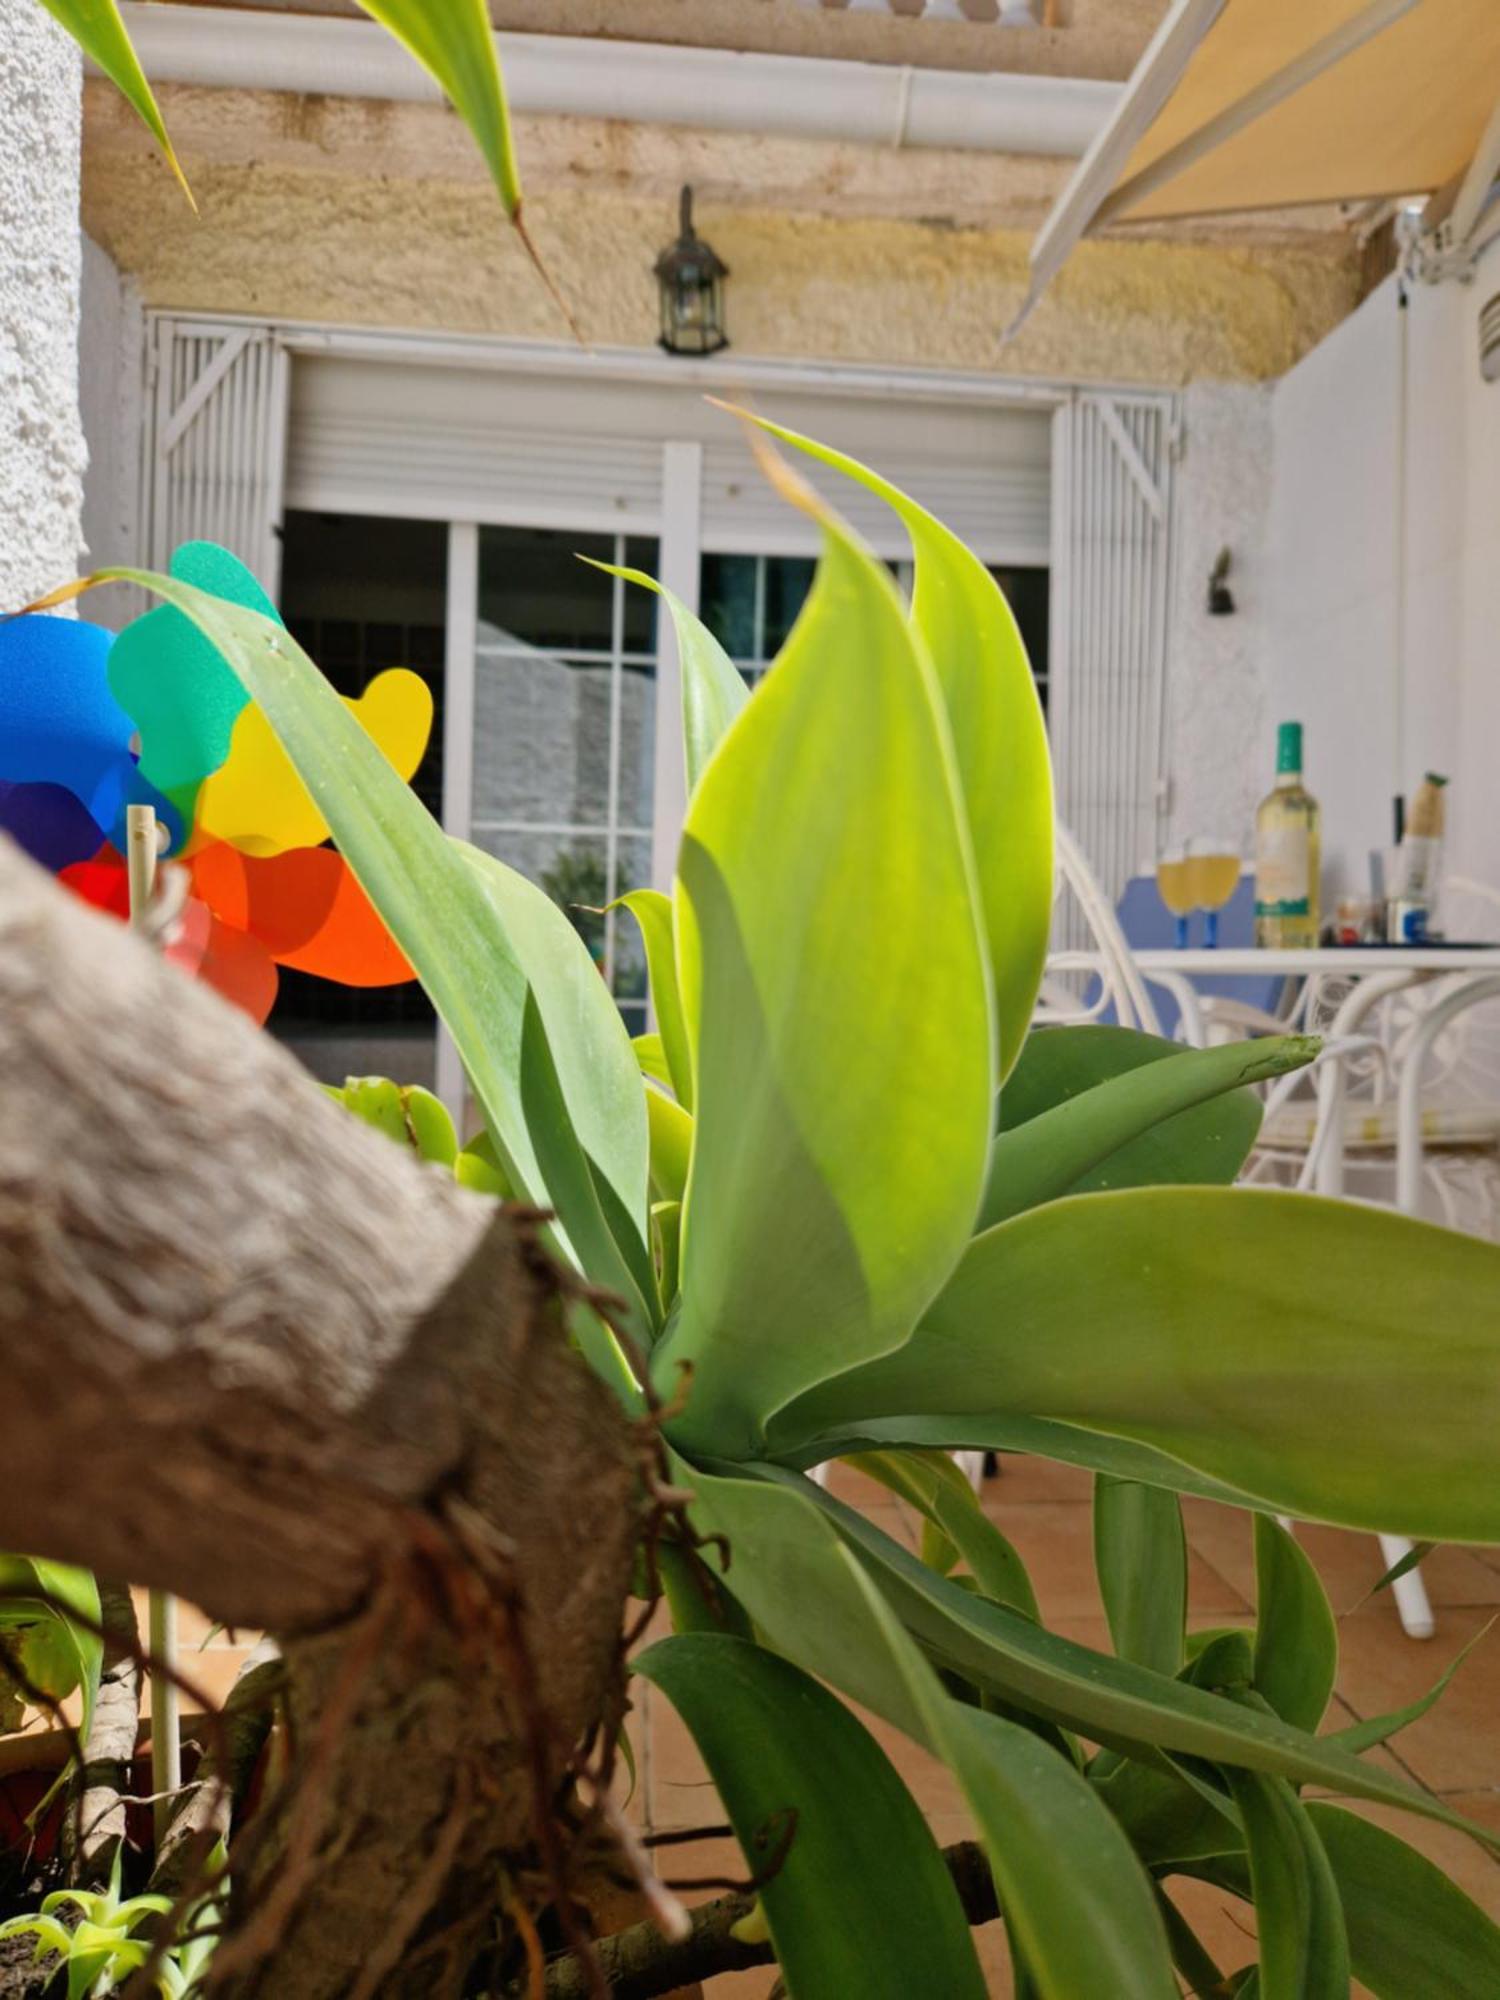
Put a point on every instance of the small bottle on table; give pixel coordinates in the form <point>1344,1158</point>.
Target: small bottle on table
<point>1288,852</point>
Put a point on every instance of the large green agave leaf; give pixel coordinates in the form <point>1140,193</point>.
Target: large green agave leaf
<point>1296,1638</point>
<point>1127,1110</point>
<point>481,938</point>
<point>999,735</point>
<point>713,692</point>
<point>1304,1950</point>
<point>1140,1556</point>
<point>99,31</point>
<point>1413,1934</point>
<point>824,866</point>
<point>455,44</point>
<point>934,1485</point>
<point>1093,1451</point>
<point>653,913</point>
<point>1078,1905</point>
<point>1352,1372</point>
<point>862,1902</point>
<point>785,1537</point>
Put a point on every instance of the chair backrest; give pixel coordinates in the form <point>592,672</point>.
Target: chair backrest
<point>1106,952</point>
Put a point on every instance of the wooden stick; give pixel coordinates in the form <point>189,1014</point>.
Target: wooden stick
<point>142,845</point>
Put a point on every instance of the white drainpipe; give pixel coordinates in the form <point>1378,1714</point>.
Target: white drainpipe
<point>639,82</point>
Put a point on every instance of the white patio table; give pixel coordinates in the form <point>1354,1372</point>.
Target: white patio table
<point>1377,971</point>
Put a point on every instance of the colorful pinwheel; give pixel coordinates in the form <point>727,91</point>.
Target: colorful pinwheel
<point>91,723</point>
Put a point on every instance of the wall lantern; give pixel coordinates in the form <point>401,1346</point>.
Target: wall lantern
<point>691,278</point>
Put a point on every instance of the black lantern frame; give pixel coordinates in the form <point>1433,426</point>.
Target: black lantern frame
<point>690,277</point>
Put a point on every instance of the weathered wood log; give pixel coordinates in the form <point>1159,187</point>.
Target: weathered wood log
<point>254,1354</point>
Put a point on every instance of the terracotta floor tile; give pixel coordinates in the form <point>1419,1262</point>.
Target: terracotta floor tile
<point>1350,1564</point>
<point>1022,1479</point>
<point>1456,1747</point>
<point>1055,1540</point>
<point>678,1788</point>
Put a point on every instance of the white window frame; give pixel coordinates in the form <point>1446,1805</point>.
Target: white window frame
<point>677,524</point>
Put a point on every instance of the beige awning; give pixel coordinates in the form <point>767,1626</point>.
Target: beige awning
<point>1257,104</point>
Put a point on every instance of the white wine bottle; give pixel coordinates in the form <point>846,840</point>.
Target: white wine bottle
<point>1288,851</point>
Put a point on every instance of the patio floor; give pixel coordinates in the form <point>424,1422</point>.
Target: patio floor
<point>1045,1510</point>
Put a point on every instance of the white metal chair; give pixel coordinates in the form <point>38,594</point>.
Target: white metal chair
<point>1423,1061</point>
<point>1105,961</point>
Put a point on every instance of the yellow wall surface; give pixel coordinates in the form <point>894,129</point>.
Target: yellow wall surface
<point>377,214</point>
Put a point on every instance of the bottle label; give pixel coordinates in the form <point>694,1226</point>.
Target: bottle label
<point>1282,884</point>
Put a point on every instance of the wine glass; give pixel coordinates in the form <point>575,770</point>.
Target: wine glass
<point>1174,886</point>
<point>1213,869</point>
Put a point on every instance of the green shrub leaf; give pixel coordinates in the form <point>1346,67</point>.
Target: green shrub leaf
<point>1296,1638</point>
<point>1140,1554</point>
<point>785,1536</point>
<point>862,1902</point>
<point>1127,1110</point>
<point>1000,740</point>
<point>61,1651</point>
<point>1076,1902</point>
<point>455,43</point>
<point>1304,1951</point>
<point>1329,1322</point>
<point>97,28</point>
<point>1413,1934</point>
<point>824,865</point>
<point>932,1483</point>
<point>713,692</point>
<point>653,913</point>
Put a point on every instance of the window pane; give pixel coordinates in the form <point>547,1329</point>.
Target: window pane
<point>541,739</point>
<point>628,958</point>
<point>727,603</point>
<point>361,594</point>
<point>532,587</point>
<point>641,606</point>
<point>1029,594</point>
<point>788,580</point>
<point>637,746</point>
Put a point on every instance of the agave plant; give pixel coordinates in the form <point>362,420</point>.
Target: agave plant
<point>101,1939</point>
<point>848,1208</point>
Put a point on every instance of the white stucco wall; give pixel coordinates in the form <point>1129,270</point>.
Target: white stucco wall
<point>1218,748</point>
<point>110,358</point>
<point>1385,525</point>
<point>1475,840</point>
<point>41,438</point>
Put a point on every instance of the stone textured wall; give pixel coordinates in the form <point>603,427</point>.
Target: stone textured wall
<point>41,438</point>
<point>379,214</point>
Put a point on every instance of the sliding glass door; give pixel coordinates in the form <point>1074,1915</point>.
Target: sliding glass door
<point>564,729</point>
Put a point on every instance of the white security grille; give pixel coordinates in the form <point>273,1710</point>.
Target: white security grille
<point>216,418</point>
<point>1112,537</point>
